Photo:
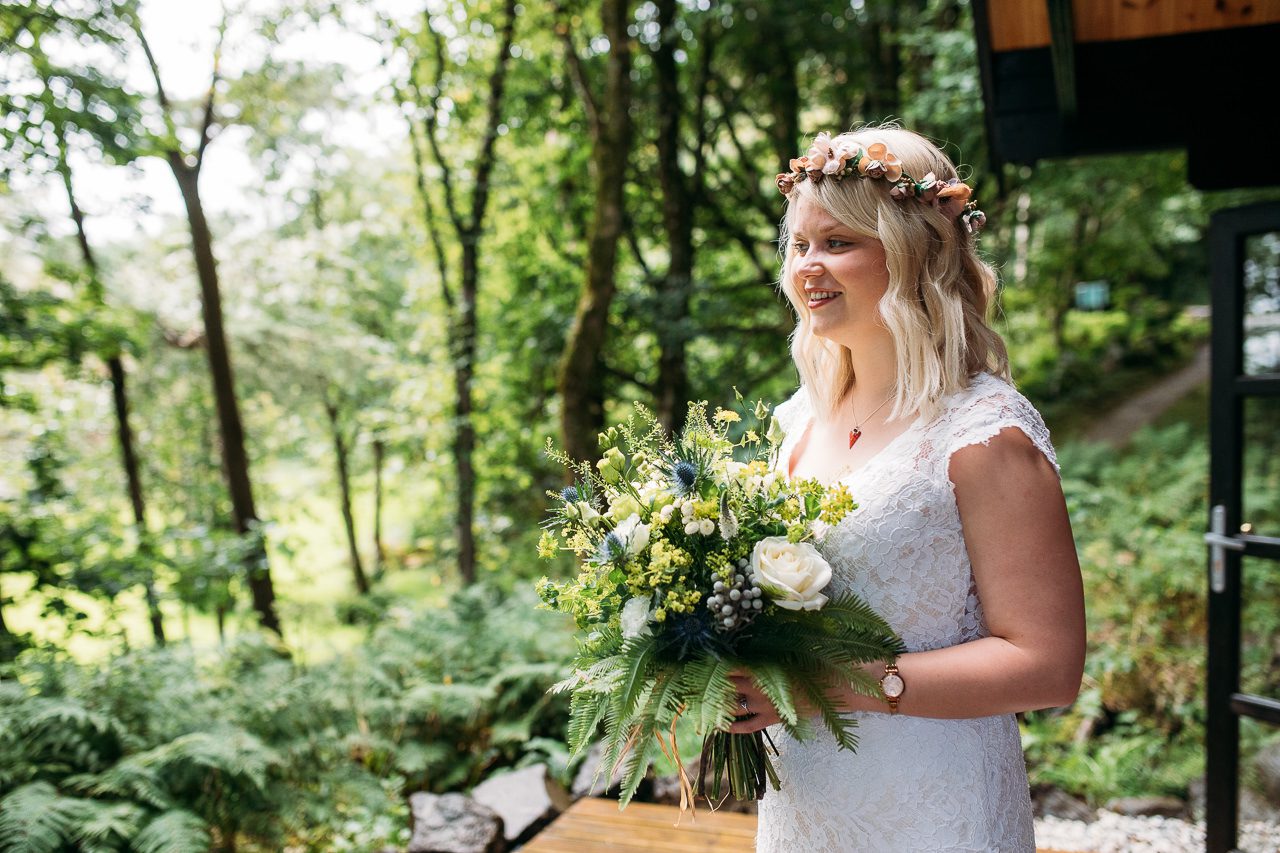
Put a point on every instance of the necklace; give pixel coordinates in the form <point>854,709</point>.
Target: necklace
<point>856,432</point>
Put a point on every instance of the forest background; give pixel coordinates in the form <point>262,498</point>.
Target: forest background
<point>293,292</point>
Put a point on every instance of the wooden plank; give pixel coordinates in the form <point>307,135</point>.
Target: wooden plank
<point>595,825</point>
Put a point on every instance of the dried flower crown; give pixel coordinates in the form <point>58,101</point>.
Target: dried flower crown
<point>835,161</point>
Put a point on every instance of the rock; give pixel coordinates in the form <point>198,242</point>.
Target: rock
<point>526,799</point>
<point>1048,801</point>
<point>1267,765</point>
<point>453,823</point>
<point>1147,806</point>
<point>582,780</point>
<point>1253,806</point>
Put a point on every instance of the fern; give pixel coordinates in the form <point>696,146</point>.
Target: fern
<point>712,696</point>
<point>174,831</point>
<point>585,712</point>
<point>37,819</point>
<point>105,826</point>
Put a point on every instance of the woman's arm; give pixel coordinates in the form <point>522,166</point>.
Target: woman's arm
<point>1024,562</point>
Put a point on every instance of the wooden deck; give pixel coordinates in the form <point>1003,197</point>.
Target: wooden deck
<point>594,825</point>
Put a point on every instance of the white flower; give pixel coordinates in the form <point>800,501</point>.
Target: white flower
<point>666,512</point>
<point>793,573</point>
<point>690,528</point>
<point>633,535</point>
<point>635,618</point>
<point>706,527</point>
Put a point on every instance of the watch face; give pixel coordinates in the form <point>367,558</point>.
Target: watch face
<point>892,685</point>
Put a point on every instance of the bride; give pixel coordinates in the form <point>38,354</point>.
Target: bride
<point>961,540</point>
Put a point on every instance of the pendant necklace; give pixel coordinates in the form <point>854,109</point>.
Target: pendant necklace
<point>856,432</point>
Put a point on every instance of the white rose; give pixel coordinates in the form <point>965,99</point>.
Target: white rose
<point>793,573</point>
<point>633,535</point>
<point>635,618</point>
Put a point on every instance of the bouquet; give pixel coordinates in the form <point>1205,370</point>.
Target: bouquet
<point>697,561</point>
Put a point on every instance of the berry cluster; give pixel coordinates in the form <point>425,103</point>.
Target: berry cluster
<point>736,603</point>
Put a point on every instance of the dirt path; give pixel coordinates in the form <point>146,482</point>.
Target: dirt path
<point>1120,423</point>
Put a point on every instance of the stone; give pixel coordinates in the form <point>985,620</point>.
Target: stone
<point>1048,801</point>
<point>526,799</point>
<point>453,823</point>
<point>1266,764</point>
<point>1253,806</point>
<point>582,780</point>
<point>1147,806</point>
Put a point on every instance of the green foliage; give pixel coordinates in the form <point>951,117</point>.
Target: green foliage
<point>1139,515</point>
<point>160,751</point>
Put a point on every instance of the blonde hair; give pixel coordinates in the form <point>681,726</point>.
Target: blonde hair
<point>939,289</point>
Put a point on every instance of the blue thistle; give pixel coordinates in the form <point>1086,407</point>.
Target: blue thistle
<point>685,475</point>
<point>569,494</point>
<point>612,548</point>
<point>688,634</point>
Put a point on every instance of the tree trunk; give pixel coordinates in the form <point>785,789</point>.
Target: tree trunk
<point>120,399</point>
<point>379,554</point>
<point>235,460</point>
<point>675,288</point>
<point>581,374</point>
<point>341,455</point>
<point>464,435</point>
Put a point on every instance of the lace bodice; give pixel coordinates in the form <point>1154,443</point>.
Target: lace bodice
<point>915,784</point>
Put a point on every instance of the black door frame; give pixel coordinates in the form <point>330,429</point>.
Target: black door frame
<point>1230,387</point>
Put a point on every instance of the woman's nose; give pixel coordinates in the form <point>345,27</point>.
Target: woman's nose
<point>811,267</point>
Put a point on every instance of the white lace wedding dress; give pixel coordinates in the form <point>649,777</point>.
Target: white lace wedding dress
<point>915,784</point>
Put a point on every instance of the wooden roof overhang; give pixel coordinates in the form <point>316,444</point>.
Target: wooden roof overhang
<point>1075,77</point>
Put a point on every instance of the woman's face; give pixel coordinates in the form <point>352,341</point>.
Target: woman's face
<point>838,273</point>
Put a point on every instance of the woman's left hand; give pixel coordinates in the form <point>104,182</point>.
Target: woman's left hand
<point>760,711</point>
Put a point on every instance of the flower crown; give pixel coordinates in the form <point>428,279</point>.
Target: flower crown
<point>826,159</point>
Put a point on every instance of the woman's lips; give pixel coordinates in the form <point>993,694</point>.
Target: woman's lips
<point>819,298</point>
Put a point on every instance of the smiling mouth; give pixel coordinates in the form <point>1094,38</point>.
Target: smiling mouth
<point>818,298</point>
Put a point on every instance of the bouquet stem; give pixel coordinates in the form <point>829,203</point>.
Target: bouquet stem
<point>744,758</point>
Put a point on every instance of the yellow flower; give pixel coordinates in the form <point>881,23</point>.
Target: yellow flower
<point>547,545</point>
<point>725,416</point>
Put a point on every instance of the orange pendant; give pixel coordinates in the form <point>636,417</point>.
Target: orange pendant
<point>854,435</point>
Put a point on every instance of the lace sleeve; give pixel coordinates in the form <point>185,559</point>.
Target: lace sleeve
<point>994,406</point>
<point>792,412</point>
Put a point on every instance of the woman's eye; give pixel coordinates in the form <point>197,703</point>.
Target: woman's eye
<point>837,243</point>
<point>799,247</point>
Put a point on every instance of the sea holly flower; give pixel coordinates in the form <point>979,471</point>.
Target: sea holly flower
<point>685,475</point>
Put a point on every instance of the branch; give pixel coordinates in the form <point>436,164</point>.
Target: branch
<point>497,88</point>
<point>166,109</point>
<point>446,177</point>
<point>206,123</point>
<point>578,74</point>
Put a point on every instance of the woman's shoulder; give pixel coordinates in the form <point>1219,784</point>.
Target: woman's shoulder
<point>988,405</point>
<point>794,410</point>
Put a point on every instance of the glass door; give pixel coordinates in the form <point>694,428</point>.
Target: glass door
<point>1244,499</point>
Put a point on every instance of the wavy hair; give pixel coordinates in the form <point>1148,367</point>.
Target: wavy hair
<point>939,290</point>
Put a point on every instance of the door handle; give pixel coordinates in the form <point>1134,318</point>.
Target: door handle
<point>1219,543</point>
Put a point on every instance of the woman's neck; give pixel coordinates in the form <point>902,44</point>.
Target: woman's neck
<point>875,374</point>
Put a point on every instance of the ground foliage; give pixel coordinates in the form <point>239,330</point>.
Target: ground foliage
<point>163,749</point>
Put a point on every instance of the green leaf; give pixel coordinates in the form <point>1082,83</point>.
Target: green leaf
<point>37,819</point>
<point>175,831</point>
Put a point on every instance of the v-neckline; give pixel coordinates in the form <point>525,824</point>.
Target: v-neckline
<point>844,475</point>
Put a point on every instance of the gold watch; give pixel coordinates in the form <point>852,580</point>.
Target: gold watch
<point>892,686</point>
